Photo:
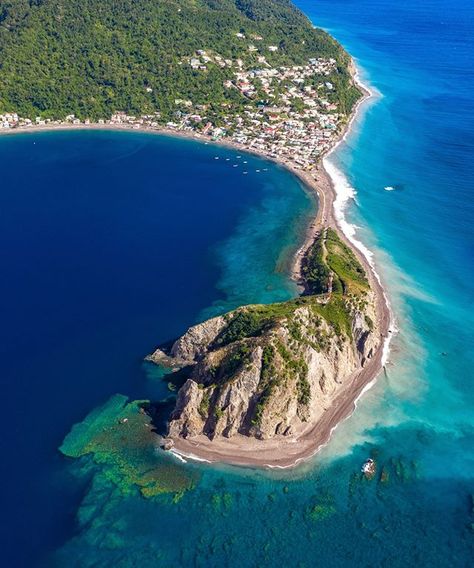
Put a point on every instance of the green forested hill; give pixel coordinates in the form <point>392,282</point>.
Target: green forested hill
<point>94,57</point>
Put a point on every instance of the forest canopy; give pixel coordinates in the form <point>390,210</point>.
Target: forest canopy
<point>92,58</point>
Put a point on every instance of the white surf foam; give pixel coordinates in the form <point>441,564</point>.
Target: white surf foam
<point>182,456</point>
<point>345,193</point>
<point>178,456</point>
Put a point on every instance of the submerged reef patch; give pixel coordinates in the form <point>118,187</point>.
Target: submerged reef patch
<point>120,437</point>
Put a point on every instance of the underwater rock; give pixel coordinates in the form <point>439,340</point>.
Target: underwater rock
<point>119,436</point>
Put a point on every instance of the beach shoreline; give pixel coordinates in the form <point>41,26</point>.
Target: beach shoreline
<point>284,452</point>
<point>280,453</point>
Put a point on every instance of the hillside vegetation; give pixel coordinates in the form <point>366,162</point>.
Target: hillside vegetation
<point>95,57</point>
<point>330,265</point>
<point>264,370</point>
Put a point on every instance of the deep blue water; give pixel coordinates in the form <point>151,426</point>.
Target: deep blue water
<point>111,244</point>
<point>417,421</point>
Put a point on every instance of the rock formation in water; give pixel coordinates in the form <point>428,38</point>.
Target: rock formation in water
<point>271,370</point>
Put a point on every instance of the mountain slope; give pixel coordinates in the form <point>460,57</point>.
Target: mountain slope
<point>95,57</point>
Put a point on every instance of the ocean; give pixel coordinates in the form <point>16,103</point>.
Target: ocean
<point>167,245</point>
<point>112,243</point>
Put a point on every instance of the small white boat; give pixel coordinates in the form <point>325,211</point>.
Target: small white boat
<point>368,467</point>
<point>389,188</point>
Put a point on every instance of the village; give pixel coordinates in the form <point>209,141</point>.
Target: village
<point>286,113</point>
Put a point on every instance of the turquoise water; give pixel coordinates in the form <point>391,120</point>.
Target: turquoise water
<point>416,137</point>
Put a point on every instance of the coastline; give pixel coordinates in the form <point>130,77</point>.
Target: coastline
<point>286,453</point>
<point>281,453</point>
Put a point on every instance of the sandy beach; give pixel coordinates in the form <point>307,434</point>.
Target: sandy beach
<point>283,452</point>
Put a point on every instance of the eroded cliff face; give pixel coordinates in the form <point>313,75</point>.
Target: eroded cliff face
<point>263,375</point>
<point>266,371</point>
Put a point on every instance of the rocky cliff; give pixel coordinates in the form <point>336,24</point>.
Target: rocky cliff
<point>270,370</point>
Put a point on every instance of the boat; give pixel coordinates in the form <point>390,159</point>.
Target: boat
<point>369,468</point>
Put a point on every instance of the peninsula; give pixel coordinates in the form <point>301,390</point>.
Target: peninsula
<point>266,384</point>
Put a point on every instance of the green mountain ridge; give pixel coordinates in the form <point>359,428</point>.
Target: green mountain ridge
<point>59,57</point>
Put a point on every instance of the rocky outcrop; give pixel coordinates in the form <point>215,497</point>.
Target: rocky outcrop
<point>275,376</point>
<point>190,347</point>
<point>266,371</point>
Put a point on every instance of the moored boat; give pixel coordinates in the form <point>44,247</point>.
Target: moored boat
<point>369,468</point>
